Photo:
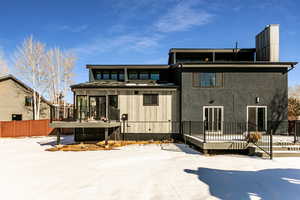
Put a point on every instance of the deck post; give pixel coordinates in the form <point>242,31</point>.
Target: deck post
<point>106,136</point>
<point>190,127</point>
<point>271,144</point>
<point>295,132</point>
<point>204,132</point>
<point>58,136</point>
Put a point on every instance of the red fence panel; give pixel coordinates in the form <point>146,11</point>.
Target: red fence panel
<point>25,128</point>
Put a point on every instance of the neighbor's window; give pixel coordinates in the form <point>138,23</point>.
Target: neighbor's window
<point>28,101</point>
<point>208,79</point>
<point>150,99</point>
<point>16,117</point>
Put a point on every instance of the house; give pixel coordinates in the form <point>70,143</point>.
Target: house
<point>16,100</point>
<point>200,90</point>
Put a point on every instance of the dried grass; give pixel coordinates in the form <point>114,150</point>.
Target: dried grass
<point>101,145</point>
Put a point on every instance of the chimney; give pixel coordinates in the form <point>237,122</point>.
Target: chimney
<point>267,44</point>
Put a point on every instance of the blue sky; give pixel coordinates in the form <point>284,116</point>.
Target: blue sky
<point>142,31</point>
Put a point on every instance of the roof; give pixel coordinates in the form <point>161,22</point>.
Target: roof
<point>204,50</point>
<point>11,77</point>
<point>135,66</point>
<point>120,84</point>
<point>238,64</point>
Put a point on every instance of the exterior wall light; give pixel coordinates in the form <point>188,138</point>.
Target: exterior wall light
<point>257,99</point>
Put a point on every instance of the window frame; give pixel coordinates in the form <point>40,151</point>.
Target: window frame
<point>30,102</point>
<point>198,85</point>
<point>256,115</point>
<point>151,104</point>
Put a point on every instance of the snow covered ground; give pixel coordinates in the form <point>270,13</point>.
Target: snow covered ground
<point>140,172</point>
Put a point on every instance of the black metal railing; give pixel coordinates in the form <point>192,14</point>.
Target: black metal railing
<point>82,114</point>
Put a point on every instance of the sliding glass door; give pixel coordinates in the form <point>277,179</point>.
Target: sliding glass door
<point>257,118</point>
<point>97,107</point>
<point>213,117</point>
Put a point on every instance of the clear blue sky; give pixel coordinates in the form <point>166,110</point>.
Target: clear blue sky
<point>142,31</point>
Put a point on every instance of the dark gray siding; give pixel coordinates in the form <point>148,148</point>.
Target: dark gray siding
<point>241,87</point>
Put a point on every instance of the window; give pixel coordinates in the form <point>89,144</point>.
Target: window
<point>16,117</point>
<point>154,76</point>
<point>213,117</point>
<point>28,101</point>
<point>257,118</point>
<point>121,76</point>
<point>150,99</point>
<point>105,75</point>
<point>114,75</point>
<point>144,75</point>
<point>208,79</point>
<point>133,75</point>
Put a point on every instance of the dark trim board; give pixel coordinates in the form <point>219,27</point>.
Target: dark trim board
<point>97,134</point>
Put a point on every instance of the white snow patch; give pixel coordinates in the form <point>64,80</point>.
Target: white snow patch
<point>169,171</point>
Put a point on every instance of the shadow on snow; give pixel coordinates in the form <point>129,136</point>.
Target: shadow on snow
<point>236,185</point>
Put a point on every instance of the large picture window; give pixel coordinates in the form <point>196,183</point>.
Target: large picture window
<point>150,99</point>
<point>208,79</point>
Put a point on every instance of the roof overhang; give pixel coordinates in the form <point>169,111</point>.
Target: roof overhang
<point>127,66</point>
<point>207,50</point>
<point>240,64</point>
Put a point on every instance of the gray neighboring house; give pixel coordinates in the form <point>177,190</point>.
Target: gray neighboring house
<point>219,85</point>
<point>16,100</point>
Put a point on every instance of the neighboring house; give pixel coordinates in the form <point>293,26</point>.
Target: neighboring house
<point>214,85</point>
<point>16,100</point>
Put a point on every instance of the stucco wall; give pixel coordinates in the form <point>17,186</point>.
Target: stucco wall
<point>12,101</point>
<point>241,87</point>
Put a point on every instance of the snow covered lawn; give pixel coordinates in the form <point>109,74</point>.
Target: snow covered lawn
<point>140,172</point>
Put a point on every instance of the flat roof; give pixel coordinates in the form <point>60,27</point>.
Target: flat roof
<point>204,50</point>
<point>237,64</point>
<point>122,84</point>
<point>128,66</point>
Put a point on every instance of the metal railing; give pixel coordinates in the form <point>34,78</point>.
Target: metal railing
<point>82,114</point>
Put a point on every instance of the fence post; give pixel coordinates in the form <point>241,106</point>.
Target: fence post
<point>204,133</point>
<point>271,144</point>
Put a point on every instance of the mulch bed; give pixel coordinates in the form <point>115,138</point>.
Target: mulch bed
<point>101,145</point>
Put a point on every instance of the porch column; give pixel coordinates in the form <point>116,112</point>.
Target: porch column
<point>58,136</point>
<point>106,136</point>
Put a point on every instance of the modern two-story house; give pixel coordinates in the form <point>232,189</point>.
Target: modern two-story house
<point>247,85</point>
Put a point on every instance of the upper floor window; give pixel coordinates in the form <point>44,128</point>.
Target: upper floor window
<point>143,75</point>
<point>133,75</point>
<point>208,79</point>
<point>28,101</point>
<point>109,75</point>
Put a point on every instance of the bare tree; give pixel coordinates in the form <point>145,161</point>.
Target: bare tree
<point>29,60</point>
<point>294,108</point>
<point>294,91</point>
<point>3,65</point>
<point>60,65</point>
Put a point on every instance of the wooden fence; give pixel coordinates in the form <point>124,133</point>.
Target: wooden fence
<point>25,128</point>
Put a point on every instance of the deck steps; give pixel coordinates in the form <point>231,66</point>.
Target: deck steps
<point>282,149</point>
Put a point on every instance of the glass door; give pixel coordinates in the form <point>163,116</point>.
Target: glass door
<point>97,107</point>
<point>213,117</point>
<point>257,118</point>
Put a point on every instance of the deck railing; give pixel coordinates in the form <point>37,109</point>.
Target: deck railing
<point>82,114</point>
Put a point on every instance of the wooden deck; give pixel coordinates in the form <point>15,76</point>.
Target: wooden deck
<point>84,124</point>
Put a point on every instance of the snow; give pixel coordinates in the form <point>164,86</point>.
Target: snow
<point>170,171</point>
